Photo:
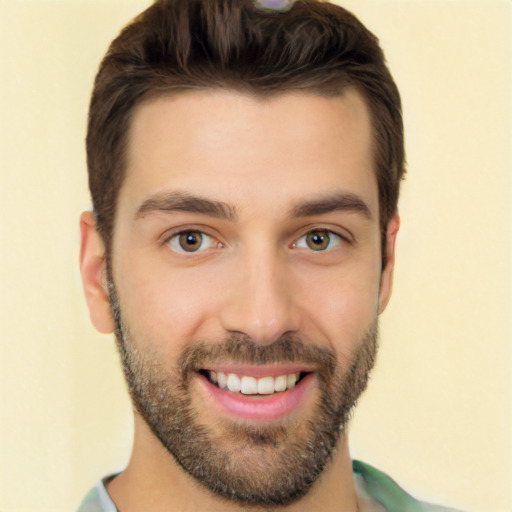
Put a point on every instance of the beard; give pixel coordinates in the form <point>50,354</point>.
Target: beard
<point>267,464</point>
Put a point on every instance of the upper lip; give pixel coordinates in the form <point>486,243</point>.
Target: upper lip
<point>259,371</point>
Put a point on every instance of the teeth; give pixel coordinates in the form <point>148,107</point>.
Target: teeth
<point>291,380</point>
<point>249,386</point>
<point>281,383</point>
<point>233,383</point>
<point>222,380</point>
<point>252,386</point>
<point>266,386</point>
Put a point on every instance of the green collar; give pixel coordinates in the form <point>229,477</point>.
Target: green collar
<point>384,490</point>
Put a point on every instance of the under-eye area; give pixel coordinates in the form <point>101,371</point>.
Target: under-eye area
<point>248,385</point>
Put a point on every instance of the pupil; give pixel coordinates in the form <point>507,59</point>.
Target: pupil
<point>190,241</point>
<point>318,240</point>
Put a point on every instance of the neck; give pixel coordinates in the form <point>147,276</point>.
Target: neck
<point>154,481</point>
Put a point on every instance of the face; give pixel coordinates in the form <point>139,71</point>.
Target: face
<point>245,282</point>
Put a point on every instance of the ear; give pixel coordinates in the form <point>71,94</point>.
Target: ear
<point>93,271</point>
<point>386,279</point>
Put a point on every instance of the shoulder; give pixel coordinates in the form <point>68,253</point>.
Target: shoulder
<point>382,489</point>
<point>98,499</point>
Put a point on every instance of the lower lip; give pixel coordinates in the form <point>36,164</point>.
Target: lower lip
<point>261,407</point>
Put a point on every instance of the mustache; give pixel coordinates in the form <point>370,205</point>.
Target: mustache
<point>241,349</point>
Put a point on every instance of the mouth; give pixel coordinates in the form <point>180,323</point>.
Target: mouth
<point>253,386</point>
<point>257,393</point>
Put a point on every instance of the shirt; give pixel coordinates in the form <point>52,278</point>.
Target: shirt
<point>376,490</point>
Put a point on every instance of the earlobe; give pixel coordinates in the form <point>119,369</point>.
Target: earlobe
<point>386,281</point>
<point>93,272</point>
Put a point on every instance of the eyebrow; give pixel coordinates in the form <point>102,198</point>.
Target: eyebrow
<point>339,201</point>
<point>184,202</point>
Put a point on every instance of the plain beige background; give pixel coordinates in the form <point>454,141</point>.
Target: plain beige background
<point>438,413</point>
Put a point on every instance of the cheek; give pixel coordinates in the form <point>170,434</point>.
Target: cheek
<point>342,306</point>
<point>169,308</point>
<point>164,307</point>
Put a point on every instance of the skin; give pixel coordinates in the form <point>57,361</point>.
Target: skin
<point>256,274</point>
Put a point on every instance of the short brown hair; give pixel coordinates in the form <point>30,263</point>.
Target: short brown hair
<point>185,44</point>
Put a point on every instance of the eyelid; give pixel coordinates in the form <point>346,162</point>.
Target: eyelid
<point>183,228</point>
<point>169,235</point>
<point>335,241</point>
<point>342,235</point>
<point>345,235</point>
<point>206,242</point>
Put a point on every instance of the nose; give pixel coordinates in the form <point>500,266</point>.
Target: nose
<point>259,300</point>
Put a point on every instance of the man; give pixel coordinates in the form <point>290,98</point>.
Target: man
<point>244,164</point>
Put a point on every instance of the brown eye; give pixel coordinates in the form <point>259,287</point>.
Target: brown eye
<point>318,240</point>
<point>191,241</point>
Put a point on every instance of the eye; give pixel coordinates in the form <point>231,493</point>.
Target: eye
<point>319,240</point>
<point>191,241</point>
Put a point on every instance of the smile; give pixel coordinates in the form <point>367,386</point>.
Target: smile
<point>252,394</point>
<point>248,385</point>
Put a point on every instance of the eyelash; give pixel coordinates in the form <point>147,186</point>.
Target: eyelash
<point>321,233</point>
<point>176,240</point>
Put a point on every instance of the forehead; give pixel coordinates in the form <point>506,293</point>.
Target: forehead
<point>249,151</point>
